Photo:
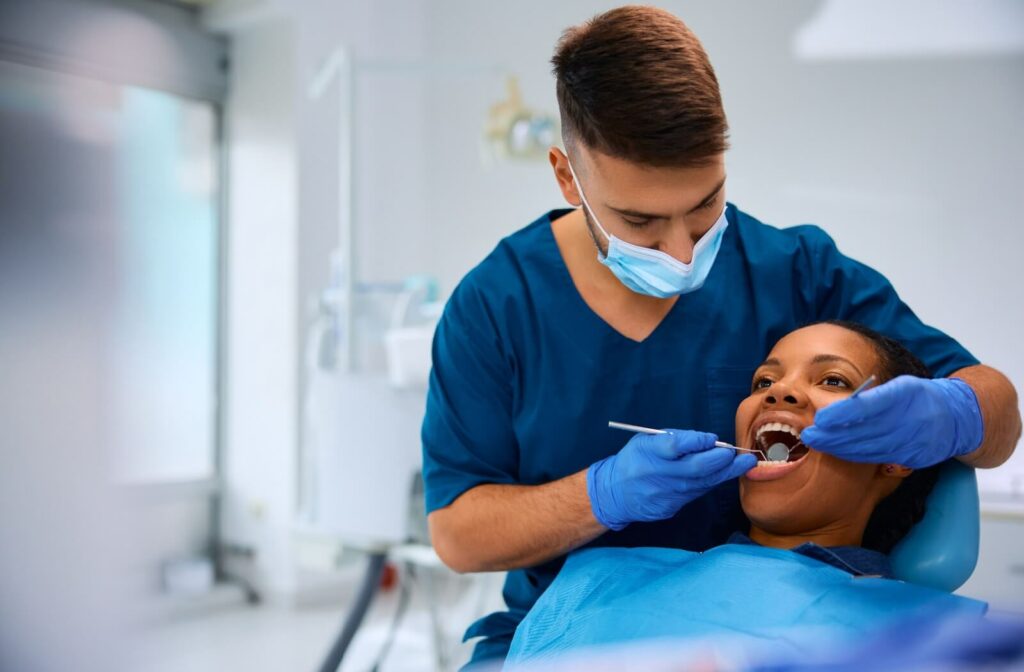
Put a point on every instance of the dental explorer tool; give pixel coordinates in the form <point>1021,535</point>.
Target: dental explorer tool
<point>868,382</point>
<point>649,430</point>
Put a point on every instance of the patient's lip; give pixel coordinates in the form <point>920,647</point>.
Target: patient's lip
<point>765,471</point>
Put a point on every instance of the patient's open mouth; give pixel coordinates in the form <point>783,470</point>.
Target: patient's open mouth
<point>779,443</point>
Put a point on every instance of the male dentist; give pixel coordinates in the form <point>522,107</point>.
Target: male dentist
<point>652,301</point>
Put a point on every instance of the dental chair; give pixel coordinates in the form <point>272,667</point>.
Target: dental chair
<point>941,551</point>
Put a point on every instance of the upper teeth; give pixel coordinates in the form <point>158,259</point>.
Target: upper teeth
<point>776,427</point>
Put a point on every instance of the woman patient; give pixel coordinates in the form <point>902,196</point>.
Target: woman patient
<point>814,565</point>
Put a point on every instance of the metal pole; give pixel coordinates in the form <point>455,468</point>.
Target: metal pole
<point>371,581</point>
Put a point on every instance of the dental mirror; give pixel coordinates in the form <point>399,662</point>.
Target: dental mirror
<point>779,452</point>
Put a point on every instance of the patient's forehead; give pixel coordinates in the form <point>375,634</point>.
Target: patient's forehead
<point>800,346</point>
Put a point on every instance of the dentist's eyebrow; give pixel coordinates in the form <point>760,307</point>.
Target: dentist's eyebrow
<point>710,197</point>
<point>831,359</point>
<point>636,214</point>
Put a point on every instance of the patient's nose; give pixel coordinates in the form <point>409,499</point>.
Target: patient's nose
<point>782,394</point>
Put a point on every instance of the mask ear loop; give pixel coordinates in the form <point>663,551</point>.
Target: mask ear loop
<point>586,204</point>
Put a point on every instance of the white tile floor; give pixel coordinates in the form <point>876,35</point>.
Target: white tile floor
<point>276,638</point>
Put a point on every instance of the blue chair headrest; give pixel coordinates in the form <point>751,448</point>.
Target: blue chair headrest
<point>942,549</point>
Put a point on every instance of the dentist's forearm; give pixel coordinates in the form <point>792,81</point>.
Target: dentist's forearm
<point>999,411</point>
<point>493,528</point>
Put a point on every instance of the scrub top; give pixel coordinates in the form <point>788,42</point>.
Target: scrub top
<point>526,376</point>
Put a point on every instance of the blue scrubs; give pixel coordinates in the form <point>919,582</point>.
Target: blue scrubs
<point>526,376</point>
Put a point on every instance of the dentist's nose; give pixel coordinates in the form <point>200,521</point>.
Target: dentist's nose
<point>678,243</point>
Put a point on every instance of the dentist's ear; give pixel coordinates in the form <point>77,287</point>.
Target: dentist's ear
<point>560,165</point>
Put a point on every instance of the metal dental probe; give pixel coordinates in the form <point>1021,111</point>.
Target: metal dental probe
<point>868,382</point>
<point>650,430</point>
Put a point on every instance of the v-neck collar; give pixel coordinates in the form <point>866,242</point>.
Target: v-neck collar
<point>682,304</point>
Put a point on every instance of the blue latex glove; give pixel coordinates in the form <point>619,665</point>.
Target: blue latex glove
<point>910,421</point>
<point>654,475</point>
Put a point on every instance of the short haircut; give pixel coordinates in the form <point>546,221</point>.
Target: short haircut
<point>635,83</point>
<point>895,515</point>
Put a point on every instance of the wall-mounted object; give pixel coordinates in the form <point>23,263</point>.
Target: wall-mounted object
<point>514,131</point>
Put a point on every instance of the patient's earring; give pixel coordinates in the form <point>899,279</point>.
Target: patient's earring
<point>890,469</point>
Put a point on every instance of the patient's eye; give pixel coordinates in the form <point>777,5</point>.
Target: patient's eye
<point>835,381</point>
<point>762,383</point>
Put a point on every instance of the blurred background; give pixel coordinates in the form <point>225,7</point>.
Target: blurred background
<point>227,228</point>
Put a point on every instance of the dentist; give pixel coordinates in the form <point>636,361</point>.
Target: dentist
<point>652,301</point>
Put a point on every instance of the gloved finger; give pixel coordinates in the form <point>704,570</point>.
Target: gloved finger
<point>740,464</point>
<point>831,439</point>
<point>861,449</point>
<point>678,442</point>
<point>825,439</point>
<point>697,465</point>
<point>869,405</point>
<point>850,411</point>
<point>872,449</point>
<point>659,446</point>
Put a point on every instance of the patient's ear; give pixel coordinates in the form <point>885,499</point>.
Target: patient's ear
<point>897,471</point>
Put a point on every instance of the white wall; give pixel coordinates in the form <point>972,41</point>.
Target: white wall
<point>260,456</point>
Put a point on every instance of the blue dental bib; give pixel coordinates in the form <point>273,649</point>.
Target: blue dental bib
<point>744,595</point>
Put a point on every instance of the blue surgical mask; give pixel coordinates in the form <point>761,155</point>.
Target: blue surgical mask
<point>653,272</point>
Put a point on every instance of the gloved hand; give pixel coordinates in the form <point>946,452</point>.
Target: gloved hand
<point>914,422</point>
<point>654,475</point>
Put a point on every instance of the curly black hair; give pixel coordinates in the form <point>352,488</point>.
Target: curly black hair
<point>895,515</point>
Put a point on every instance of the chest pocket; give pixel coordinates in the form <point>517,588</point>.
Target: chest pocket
<point>727,386</point>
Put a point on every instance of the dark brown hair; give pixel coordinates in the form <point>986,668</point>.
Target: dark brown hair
<point>635,83</point>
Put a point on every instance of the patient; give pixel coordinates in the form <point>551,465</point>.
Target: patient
<point>815,497</point>
<point>814,567</point>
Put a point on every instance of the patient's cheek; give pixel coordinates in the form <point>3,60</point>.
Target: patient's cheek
<point>744,415</point>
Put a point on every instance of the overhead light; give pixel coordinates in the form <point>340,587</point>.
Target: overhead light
<point>878,29</point>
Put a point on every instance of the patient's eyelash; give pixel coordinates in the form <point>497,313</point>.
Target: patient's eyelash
<point>758,383</point>
<point>833,377</point>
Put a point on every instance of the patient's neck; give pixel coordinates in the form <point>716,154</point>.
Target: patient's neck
<point>844,533</point>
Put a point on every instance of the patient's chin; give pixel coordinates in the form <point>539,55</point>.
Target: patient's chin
<point>771,518</point>
<point>781,503</point>
<point>825,490</point>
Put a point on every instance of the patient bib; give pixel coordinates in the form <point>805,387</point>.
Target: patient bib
<point>739,595</point>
